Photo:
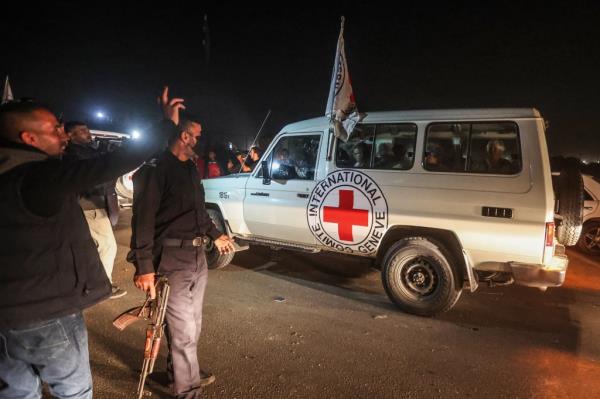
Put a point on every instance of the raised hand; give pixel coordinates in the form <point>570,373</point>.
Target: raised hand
<point>170,107</point>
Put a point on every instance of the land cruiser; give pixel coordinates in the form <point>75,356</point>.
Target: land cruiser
<point>441,200</point>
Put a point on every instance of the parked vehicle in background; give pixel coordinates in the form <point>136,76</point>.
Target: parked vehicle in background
<point>108,141</point>
<point>589,241</point>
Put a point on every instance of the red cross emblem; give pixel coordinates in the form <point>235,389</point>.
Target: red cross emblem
<point>345,215</point>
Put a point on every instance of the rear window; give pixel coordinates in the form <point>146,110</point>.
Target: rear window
<point>477,147</point>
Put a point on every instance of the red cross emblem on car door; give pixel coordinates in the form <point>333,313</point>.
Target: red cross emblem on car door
<point>345,215</point>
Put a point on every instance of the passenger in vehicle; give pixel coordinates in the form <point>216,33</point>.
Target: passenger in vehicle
<point>284,157</point>
<point>400,160</point>
<point>384,158</point>
<point>284,167</point>
<point>359,154</point>
<point>495,161</point>
<point>434,158</point>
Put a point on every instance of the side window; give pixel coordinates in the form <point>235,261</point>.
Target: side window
<point>357,151</point>
<point>446,147</point>
<point>495,148</point>
<point>473,147</point>
<point>395,146</point>
<point>295,157</point>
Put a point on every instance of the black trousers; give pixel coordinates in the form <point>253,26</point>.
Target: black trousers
<point>184,323</point>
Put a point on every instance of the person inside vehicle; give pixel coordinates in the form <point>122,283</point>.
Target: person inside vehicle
<point>384,158</point>
<point>358,152</point>
<point>495,161</point>
<point>283,157</point>
<point>284,167</point>
<point>434,158</point>
<point>400,161</point>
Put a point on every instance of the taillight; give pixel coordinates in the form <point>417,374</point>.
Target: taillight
<point>550,234</point>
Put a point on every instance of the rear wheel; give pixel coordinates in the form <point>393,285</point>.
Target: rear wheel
<point>589,242</point>
<point>214,258</point>
<point>418,277</point>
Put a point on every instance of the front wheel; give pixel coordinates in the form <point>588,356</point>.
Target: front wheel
<point>418,278</point>
<point>214,258</point>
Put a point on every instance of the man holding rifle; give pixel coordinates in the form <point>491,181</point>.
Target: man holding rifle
<point>49,266</point>
<point>170,227</point>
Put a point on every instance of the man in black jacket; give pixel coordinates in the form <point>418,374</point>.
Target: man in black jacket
<point>99,203</point>
<point>169,225</point>
<point>49,266</point>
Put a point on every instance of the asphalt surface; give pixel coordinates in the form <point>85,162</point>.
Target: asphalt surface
<point>286,325</point>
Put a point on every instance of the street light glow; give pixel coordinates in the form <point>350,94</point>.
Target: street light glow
<point>100,115</point>
<point>135,134</point>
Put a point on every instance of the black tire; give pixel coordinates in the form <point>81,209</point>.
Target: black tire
<point>570,205</point>
<point>214,258</point>
<point>589,242</point>
<point>418,277</point>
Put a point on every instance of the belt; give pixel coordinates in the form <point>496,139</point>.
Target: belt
<point>194,242</point>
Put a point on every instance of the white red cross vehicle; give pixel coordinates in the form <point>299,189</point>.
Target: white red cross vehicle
<point>440,200</point>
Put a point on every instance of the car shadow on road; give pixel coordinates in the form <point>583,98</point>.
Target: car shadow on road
<point>521,309</point>
<point>340,275</point>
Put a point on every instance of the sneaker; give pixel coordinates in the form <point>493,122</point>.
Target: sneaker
<point>117,292</point>
<point>206,378</point>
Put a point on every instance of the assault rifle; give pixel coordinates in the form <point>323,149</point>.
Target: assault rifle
<point>154,311</point>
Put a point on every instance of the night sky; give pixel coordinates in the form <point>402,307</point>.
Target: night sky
<point>115,58</point>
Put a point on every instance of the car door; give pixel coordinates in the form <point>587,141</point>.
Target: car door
<point>277,209</point>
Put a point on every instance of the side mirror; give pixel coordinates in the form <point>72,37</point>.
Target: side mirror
<point>266,173</point>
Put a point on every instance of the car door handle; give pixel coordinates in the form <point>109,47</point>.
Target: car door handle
<point>259,194</point>
<point>302,195</point>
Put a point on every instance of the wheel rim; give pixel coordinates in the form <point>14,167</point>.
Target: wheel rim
<point>591,239</point>
<point>418,277</point>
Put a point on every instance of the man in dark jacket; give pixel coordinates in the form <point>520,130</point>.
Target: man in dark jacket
<point>49,267</point>
<point>99,203</point>
<point>169,225</point>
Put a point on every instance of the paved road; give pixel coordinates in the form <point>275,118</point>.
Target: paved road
<point>337,336</point>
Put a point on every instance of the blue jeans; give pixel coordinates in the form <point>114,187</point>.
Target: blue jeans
<point>54,351</point>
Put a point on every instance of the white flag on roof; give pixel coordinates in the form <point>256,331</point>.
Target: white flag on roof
<point>341,105</point>
<point>7,94</point>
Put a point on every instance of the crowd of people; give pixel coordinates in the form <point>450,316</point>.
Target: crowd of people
<point>212,165</point>
<point>57,209</point>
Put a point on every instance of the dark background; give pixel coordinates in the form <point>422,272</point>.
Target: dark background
<point>116,57</point>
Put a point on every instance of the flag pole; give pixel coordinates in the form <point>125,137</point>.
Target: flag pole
<point>336,63</point>
<point>336,69</point>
